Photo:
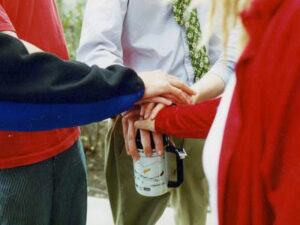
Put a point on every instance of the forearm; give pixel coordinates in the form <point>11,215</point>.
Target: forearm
<point>57,93</point>
<point>214,82</point>
<point>209,87</point>
<point>187,121</point>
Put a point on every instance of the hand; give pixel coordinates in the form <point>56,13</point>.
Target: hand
<point>129,133</point>
<point>159,99</point>
<point>147,110</point>
<point>160,83</point>
<point>150,110</point>
<point>208,87</point>
<point>149,113</point>
<point>145,125</point>
<point>146,143</point>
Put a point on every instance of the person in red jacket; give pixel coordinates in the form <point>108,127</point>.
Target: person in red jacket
<point>43,174</point>
<point>257,157</point>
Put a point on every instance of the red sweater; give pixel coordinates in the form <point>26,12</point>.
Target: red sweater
<point>187,121</point>
<point>259,170</point>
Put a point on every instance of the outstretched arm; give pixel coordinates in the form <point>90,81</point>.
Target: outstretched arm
<point>41,91</point>
<point>185,121</point>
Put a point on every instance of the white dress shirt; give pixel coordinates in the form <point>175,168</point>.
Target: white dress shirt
<point>143,35</point>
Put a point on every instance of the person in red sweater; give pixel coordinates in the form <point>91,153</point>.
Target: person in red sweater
<point>258,160</point>
<point>28,196</point>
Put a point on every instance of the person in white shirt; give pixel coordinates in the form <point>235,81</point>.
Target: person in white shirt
<point>144,35</point>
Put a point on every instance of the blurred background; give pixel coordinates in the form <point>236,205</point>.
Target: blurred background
<point>71,13</point>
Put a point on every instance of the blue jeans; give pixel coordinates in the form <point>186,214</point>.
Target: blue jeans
<point>52,192</point>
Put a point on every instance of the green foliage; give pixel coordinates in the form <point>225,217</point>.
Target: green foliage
<point>72,22</point>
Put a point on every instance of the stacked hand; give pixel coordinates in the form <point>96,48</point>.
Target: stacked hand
<point>161,89</point>
<point>159,83</point>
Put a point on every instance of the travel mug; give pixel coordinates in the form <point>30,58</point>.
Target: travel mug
<point>151,173</point>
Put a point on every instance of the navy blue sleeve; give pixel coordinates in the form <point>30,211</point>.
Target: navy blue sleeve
<point>42,92</point>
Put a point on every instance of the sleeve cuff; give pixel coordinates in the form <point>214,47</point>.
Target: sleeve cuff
<point>222,71</point>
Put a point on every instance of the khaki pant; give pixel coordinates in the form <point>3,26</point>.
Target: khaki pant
<point>130,208</point>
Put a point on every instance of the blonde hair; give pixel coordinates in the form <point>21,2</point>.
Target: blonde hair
<point>228,12</point>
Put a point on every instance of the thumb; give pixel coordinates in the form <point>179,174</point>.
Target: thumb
<point>145,125</point>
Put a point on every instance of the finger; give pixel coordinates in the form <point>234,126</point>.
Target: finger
<point>144,125</point>
<point>156,110</point>
<point>148,110</point>
<point>178,101</point>
<point>169,96</point>
<point>132,142</point>
<point>188,97</point>
<point>179,94</point>
<point>125,133</point>
<point>178,84</point>
<point>146,142</point>
<point>157,99</point>
<point>142,112</point>
<point>131,114</point>
<point>159,145</point>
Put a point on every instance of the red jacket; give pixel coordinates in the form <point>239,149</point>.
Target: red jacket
<point>259,182</point>
<point>259,170</point>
